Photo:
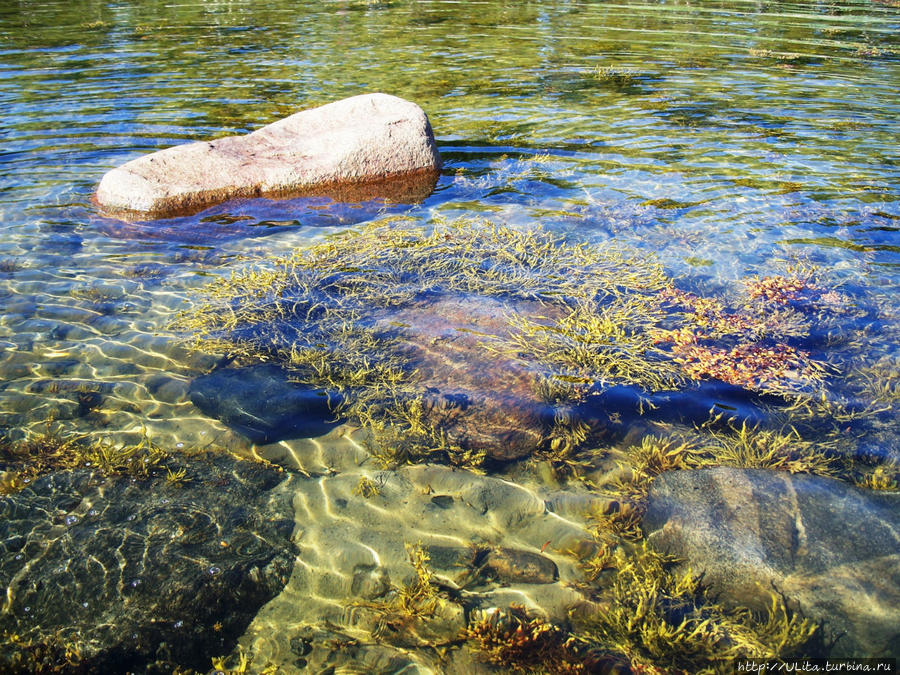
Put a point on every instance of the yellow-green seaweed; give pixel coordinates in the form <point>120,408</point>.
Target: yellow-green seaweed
<point>51,451</point>
<point>520,642</point>
<point>314,311</point>
<point>597,317</point>
<point>660,618</point>
<point>407,606</point>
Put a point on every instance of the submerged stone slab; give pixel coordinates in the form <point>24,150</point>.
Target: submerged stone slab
<point>261,404</point>
<point>111,574</point>
<point>482,400</point>
<point>368,146</point>
<point>829,547</point>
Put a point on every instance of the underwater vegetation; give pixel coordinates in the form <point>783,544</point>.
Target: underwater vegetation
<point>568,328</point>
<point>641,617</point>
<point>343,316</point>
<point>366,487</point>
<point>25,460</point>
<point>749,346</point>
<point>517,641</point>
<point>400,321</point>
<point>619,77</point>
<point>240,664</point>
<point>51,655</point>
<point>668,622</point>
<point>883,477</point>
<point>408,614</point>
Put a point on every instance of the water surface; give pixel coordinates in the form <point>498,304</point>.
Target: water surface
<point>729,139</point>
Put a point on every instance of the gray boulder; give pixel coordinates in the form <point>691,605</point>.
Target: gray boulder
<point>827,546</point>
<point>368,146</point>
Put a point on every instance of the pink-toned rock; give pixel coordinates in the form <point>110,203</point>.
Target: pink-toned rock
<point>363,145</point>
<point>480,399</point>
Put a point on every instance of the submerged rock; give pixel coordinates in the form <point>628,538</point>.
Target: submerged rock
<point>694,405</point>
<point>829,547</point>
<point>515,566</point>
<point>484,401</point>
<point>500,564</point>
<point>471,340</point>
<point>260,403</point>
<point>113,574</point>
<point>369,146</point>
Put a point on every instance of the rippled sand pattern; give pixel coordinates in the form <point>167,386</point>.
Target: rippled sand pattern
<point>350,544</point>
<point>96,352</point>
<point>97,355</point>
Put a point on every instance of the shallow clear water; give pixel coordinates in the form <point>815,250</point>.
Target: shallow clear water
<point>742,133</point>
<point>722,137</point>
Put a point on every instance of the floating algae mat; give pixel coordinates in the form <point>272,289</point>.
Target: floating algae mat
<point>471,340</point>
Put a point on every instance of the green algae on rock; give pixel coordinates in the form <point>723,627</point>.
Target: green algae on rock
<point>470,339</point>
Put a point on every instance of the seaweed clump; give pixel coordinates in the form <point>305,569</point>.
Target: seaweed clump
<point>748,348</point>
<point>345,315</point>
<point>26,460</point>
<point>405,613</point>
<point>643,616</point>
<point>469,340</point>
<point>663,621</point>
<point>50,655</point>
<point>239,663</point>
<point>520,642</point>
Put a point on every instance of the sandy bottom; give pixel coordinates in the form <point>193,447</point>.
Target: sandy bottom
<point>353,546</point>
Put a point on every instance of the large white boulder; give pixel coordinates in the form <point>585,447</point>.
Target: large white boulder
<point>372,139</point>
